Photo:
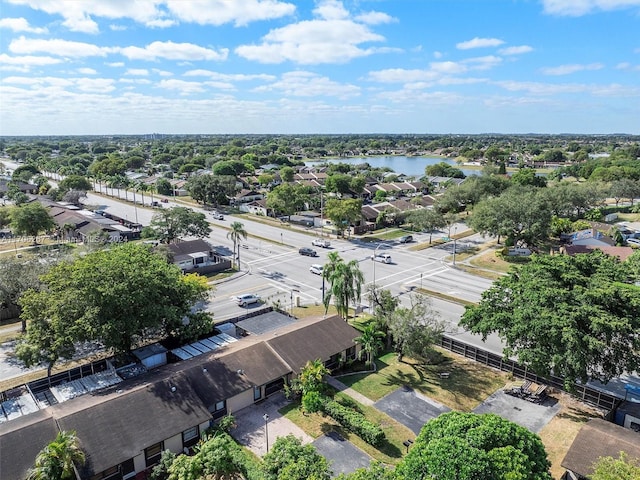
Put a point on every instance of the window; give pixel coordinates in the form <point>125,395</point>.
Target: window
<point>257,393</point>
<point>220,406</point>
<point>190,437</point>
<point>220,410</point>
<point>153,453</point>
<point>109,474</point>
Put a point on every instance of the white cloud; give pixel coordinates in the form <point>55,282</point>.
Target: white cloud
<point>627,67</point>
<point>62,48</point>
<point>97,85</point>
<point>20,25</point>
<point>219,12</point>
<point>515,50</point>
<point>537,88</point>
<point>576,8</point>
<point>184,88</point>
<point>570,68</point>
<point>162,73</point>
<point>117,28</point>
<point>78,14</point>
<point>483,63</point>
<point>437,55</point>
<point>229,77</point>
<point>115,64</point>
<point>479,43</point>
<point>141,72</point>
<point>173,51</point>
<point>309,84</point>
<point>28,60</point>
<point>86,71</point>
<point>375,18</point>
<point>331,38</point>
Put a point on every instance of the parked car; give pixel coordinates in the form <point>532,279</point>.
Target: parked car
<point>247,299</point>
<point>381,257</point>
<point>633,242</point>
<point>321,242</point>
<point>309,252</point>
<point>317,269</point>
<point>406,239</point>
<point>217,216</point>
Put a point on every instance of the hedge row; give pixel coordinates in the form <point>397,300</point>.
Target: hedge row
<point>354,422</point>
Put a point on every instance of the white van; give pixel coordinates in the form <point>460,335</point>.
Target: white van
<point>381,257</point>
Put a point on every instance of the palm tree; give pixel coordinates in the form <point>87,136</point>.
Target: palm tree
<point>371,342</point>
<point>142,187</point>
<point>237,232</point>
<point>57,460</point>
<point>345,283</point>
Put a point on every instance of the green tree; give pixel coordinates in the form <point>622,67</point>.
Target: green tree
<point>467,446</point>
<point>286,199</point>
<point>237,233</point>
<point>56,461</point>
<point>339,183</point>
<point>426,219</point>
<point>163,187</point>
<point>621,468</point>
<point>415,329</point>
<point>31,219</point>
<point>443,169</point>
<point>212,189</point>
<point>288,459</point>
<point>169,224</point>
<point>375,471</point>
<point>576,316</point>
<point>370,341</point>
<point>343,213</point>
<point>100,297</point>
<point>345,283</point>
<point>311,377</point>
<point>286,174</point>
<point>528,177</point>
<point>74,182</point>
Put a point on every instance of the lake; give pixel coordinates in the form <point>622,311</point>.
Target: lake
<point>411,166</point>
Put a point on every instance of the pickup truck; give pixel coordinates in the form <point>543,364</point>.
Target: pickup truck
<point>321,242</point>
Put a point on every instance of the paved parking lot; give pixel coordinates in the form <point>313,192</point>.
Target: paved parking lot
<point>410,408</point>
<point>342,455</point>
<point>527,414</point>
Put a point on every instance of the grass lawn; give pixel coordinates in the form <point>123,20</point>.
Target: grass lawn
<point>468,385</point>
<point>390,452</point>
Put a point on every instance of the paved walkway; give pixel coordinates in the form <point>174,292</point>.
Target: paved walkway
<point>338,385</point>
<point>251,428</point>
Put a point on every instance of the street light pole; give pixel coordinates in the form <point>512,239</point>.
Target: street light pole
<point>455,229</point>
<point>266,429</point>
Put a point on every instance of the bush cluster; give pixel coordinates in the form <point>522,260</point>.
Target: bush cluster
<point>355,422</point>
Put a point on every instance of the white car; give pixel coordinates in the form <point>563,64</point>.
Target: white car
<point>247,299</point>
<point>317,269</point>
<point>633,242</point>
<point>381,257</point>
<point>321,242</point>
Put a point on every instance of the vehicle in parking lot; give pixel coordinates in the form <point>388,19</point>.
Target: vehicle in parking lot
<point>317,269</point>
<point>309,252</point>
<point>321,242</point>
<point>633,242</point>
<point>247,299</point>
<point>381,257</point>
<point>217,216</point>
<point>406,239</point>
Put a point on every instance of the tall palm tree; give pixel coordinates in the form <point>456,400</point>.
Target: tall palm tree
<point>345,283</point>
<point>56,461</point>
<point>371,342</point>
<point>142,187</point>
<point>237,232</point>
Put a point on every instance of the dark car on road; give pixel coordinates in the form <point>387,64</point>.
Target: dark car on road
<point>406,239</point>
<point>309,252</point>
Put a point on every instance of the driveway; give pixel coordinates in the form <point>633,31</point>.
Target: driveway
<point>410,408</point>
<point>342,455</point>
<point>527,414</point>
<point>250,430</point>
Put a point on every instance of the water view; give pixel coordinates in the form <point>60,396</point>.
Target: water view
<point>412,166</point>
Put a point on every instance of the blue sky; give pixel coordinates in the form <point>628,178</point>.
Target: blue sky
<point>327,66</point>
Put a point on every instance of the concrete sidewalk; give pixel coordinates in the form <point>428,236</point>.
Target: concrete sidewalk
<point>251,428</point>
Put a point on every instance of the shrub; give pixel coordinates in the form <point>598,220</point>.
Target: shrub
<point>354,422</point>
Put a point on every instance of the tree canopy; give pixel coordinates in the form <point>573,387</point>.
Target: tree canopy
<point>621,468</point>
<point>467,446</point>
<point>576,316</point>
<point>57,459</point>
<point>343,212</point>
<point>31,219</point>
<point>168,225</point>
<point>116,296</point>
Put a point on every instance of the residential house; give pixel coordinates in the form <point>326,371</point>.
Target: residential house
<point>124,428</point>
<point>23,187</point>
<point>197,256</point>
<point>257,207</point>
<point>246,196</point>
<point>621,252</point>
<point>590,236</point>
<point>598,438</point>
